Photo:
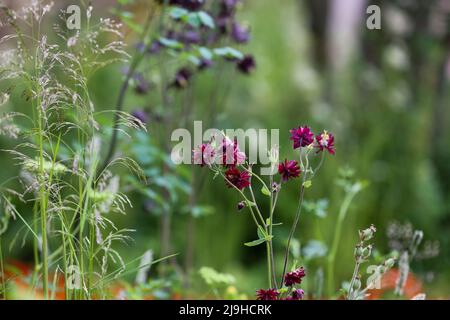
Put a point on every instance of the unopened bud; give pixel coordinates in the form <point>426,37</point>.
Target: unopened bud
<point>389,263</point>
<point>367,234</point>
<point>275,187</point>
<point>241,205</point>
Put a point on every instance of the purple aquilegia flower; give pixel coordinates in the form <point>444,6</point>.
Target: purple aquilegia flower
<point>228,7</point>
<point>294,277</point>
<point>246,64</point>
<point>239,179</point>
<point>325,140</point>
<point>142,86</point>
<point>205,64</point>
<point>302,136</point>
<point>239,33</point>
<point>296,294</point>
<point>204,154</point>
<point>141,115</point>
<point>192,5</point>
<point>190,37</point>
<point>182,78</point>
<point>289,169</point>
<point>269,294</point>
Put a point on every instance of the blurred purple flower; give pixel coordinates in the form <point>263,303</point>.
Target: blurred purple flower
<point>239,33</point>
<point>192,5</point>
<point>141,115</point>
<point>182,78</point>
<point>246,64</point>
<point>142,85</point>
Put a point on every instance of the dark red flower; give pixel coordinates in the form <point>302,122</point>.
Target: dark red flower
<point>325,140</point>
<point>246,64</point>
<point>294,277</point>
<point>269,294</point>
<point>297,294</point>
<point>302,136</point>
<point>239,179</point>
<point>231,155</point>
<point>289,169</point>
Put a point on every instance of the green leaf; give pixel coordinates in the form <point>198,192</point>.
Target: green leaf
<point>170,43</point>
<point>206,19</point>
<point>228,52</point>
<point>178,13</point>
<point>254,242</point>
<point>262,233</point>
<point>193,19</point>
<point>265,191</point>
<point>205,53</point>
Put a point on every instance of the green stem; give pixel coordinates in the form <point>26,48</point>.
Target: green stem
<point>2,270</point>
<point>334,247</point>
<point>291,233</point>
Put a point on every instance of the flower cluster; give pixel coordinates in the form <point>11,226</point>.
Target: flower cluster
<point>227,156</point>
<point>269,294</point>
<point>294,277</point>
<point>289,293</point>
<point>304,137</point>
<point>226,159</point>
<point>198,28</point>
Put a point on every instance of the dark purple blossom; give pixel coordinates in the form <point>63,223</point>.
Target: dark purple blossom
<point>205,64</point>
<point>296,294</point>
<point>289,169</point>
<point>182,78</point>
<point>294,277</point>
<point>269,294</point>
<point>192,5</point>
<point>302,136</point>
<point>246,64</point>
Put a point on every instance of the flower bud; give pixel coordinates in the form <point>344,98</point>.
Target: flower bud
<point>358,251</point>
<point>241,205</point>
<point>275,187</point>
<point>366,252</point>
<point>389,263</point>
